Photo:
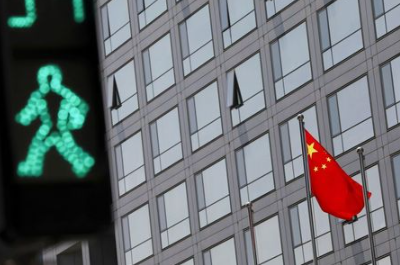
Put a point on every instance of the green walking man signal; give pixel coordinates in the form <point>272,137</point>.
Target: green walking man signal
<point>71,116</point>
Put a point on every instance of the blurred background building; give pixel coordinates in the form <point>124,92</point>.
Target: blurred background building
<point>201,99</point>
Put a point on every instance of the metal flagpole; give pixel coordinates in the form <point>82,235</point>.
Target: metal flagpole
<point>308,186</point>
<point>249,206</point>
<point>360,152</point>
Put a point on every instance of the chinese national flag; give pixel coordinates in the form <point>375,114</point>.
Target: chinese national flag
<point>336,192</point>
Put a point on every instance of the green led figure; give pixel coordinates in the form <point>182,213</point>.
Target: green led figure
<point>71,116</point>
<point>30,17</point>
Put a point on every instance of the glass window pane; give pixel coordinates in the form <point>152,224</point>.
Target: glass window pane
<point>344,19</point>
<point>324,30</point>
<point>176,205</point>
<point>199,29</point>
<point>396,173</point>
<point>238,9</point>
<point>294,49</point>
<point>168,130</point>
<point>132,153</point>
<point>215,182</point>
<point>268,239</point>
<point>257,158</point>
<point>118,14</point>
<point>160,57</point>
<point>354,104</point>
<point>224,253</point>
<point>126,81</point>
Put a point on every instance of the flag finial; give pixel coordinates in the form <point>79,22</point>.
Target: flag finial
<point>300,117</point>
<point>360,150</point>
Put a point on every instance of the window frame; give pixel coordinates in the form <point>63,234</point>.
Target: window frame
<point>276,13</point>
<point>144,9</point>
<point>180,39</point>
<point>191,96</point>
<point>276,40</point>
<point>375,18</point>
<point>188,217</point>
<point>151,140</point>
<point>325,7</point>
<point>208,249</point>
<point>334,93</point>
<point>197,196</point>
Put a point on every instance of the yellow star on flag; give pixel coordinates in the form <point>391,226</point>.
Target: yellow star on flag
<point>311,150</point>
<point>323,166</point>
<point>315,169</point>
<point>328,159</point>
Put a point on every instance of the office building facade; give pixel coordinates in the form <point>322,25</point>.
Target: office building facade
<point>201,98</point>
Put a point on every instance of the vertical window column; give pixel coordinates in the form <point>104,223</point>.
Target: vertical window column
<point>166,140</point>
<point>116,26</point>
<point>130,163</point>
<point>386,13</point>
<point>174,215</point>
<point>136,228</point>
<point>158,67</point>
<point>291,61</point>
<point>359,229</point>
<point>237,19</point>
<point>196,40</point>
<point>391,87</point>
<point>291,143</point>
<point>340,31</point>
<point>213,193</point>
<point>350,116</point>
<point>254,166</point>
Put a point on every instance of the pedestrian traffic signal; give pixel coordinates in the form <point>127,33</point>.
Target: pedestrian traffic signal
<point>54,166</point>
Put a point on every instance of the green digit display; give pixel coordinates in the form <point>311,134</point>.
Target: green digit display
<point>30,17</point>
<point>71,116</point>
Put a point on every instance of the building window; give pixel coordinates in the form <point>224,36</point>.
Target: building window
<point>254,166</point>
<point>158,67</point>
<point>359,229</point>
<point>386,14</point>
<point>340,31</point>
<point>130,163</point>
<point>166,140</point>
<point>188,262</point>
<point>174,215</point>
<point>196,40</point>
<point>291,61</point>
<point>275,6</point>
<point>245,93</point>
<point>268,243</point>
<point>116,26</point>
<point>350,116</point>
<point>291,143</point>
<point>391,87</point>
<point>396,172</point>
<point>384,261</point>
<point>123,98</point>
<point>204,116</point>
<point>237,19</point>
<point>301,234</point>
<point>149,10</point>
<point>223,253</point>
<point>137,235</point>
<point>213,193</point>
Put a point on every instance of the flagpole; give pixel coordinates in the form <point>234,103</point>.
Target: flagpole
<point>308,186</point>
<point>360,152</point>
<point>249,206</point>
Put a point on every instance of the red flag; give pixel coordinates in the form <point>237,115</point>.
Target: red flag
<point>336,192</point>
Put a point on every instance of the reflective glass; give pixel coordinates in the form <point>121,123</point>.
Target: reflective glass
<point>204,116</point>
<point>224,253</point>
<point>274,6</point>
<point>250,82</point>
<point>268,240</point>
<point>139,234</point>
<point>118,14</point>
